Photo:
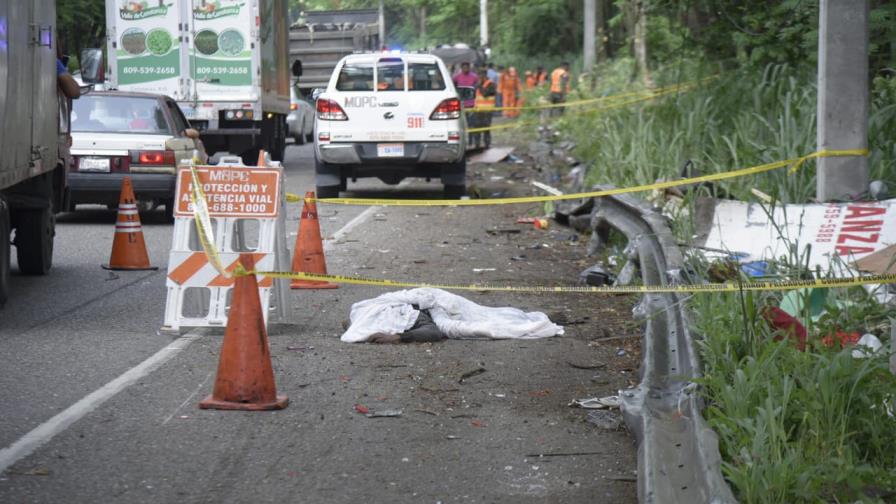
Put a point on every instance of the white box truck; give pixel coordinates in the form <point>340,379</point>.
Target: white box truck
<point>224,61</point>
<point>34,137</point>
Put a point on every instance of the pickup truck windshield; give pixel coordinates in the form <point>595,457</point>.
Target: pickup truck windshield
<point>96,113</point>
<point>390,76</point>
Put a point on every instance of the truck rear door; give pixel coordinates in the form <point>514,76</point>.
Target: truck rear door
<point>223,50</point>
<point>145,45</point>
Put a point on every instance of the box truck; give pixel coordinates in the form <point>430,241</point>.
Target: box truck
<point>34,140</point>
<point>224,61</point>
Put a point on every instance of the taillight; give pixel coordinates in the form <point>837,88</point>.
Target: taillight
<point>329,110</point>
<point>448,109</point>
<point>158,158</point>
<point>454,136</point>
<point>293,106</point>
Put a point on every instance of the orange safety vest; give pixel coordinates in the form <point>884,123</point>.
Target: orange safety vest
<point>557,80</point>
<point>482,101</point>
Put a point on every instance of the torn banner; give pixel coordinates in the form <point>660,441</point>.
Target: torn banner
<point>455,316</point>
<point>835,233</point>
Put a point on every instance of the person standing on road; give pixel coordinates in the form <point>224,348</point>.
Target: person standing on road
<point>499,81</point>
<point>559,86</point>
<point>540,76</point>
<point>485,104</point>
<point>492,73</point>
<point>511,89</point>
<point>530,80</point>
<point>467,79</point>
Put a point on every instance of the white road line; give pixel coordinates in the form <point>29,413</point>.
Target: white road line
<point>43,433</point>
<point>27,444</point>
<point>189,398</point>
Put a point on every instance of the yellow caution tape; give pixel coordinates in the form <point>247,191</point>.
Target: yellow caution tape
<point>204,224</point>
<point>794,164</point>
<point>785,285</point>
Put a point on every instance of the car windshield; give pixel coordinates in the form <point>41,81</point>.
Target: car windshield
<point>425,77</point>
<point>95,113</point>
<point>355,77</point>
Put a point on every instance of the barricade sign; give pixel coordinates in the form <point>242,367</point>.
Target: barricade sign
<point>244,211</point>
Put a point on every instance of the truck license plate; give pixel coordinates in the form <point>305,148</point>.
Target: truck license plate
<point>94,164</point>
<point>390,150</point>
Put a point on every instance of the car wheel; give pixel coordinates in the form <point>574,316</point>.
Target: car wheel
<point>300,138</point>
<point>327,191</point>
<point>455,191</point>
<point>310,136</point>
<point>169,210</point>
<point>34,241</point>
<point>4,252</point>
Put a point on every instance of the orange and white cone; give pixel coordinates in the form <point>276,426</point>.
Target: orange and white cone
<point>245,379</point>
<point>128,247</point>
<point>309,254</point>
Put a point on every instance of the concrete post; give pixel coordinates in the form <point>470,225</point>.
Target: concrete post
<point>589,46</point>
<point>483,23</point>
<point>381,20</point>
<point>843,91</point>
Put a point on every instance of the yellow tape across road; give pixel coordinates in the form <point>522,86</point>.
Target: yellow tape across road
<point>622,289</point>
<point>794,165</point>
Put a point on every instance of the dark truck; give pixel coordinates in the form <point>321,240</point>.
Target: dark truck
<point>35,119</point>
<point>321,38</point>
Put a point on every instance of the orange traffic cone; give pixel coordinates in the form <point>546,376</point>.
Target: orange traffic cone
<point>309,254</point>
<point>128,247</point>
<point>245,379</point>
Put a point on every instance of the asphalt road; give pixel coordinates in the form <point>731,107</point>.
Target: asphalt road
<point>99,406</point>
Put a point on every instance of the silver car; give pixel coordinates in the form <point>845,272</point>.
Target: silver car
<point>300,121</point>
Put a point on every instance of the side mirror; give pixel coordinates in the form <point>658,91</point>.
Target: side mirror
<point>297,68</point>
<point>466,93</point>
<point>315,93</point>
<point>92,66</point>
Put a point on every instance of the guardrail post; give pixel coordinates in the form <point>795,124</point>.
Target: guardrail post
<point>842,97</point>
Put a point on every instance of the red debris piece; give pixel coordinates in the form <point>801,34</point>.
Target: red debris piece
<point>478,423</point>
<point>843,338</point>
<point>360,408</point>
<point>784,322</point>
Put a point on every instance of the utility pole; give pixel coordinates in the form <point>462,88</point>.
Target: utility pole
<point>381,20</point>
<point>842,97</point>
<point>588,49</point>
<point>483,23</point>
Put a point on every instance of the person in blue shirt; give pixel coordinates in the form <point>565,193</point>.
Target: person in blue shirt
<point>65,81</point>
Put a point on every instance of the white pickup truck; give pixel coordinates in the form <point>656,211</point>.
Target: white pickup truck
<point>389,116</point>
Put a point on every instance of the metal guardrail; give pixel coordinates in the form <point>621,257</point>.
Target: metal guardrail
<point>678,453</point>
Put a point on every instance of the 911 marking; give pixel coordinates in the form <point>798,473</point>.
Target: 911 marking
<point>415,120</point>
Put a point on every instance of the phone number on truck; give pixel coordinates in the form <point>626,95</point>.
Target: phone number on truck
<point>222,70</point>
<point>149,70</point>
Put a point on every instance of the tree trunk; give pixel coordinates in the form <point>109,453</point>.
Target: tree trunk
<point>422,15</point>
<point>600,22</point>
<point>640,41</point>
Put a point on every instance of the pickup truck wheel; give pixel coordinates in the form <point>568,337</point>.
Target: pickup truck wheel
<point>4,252</point>
<point>34,241</point>
<point>327,191</point>
<point>455,191</point>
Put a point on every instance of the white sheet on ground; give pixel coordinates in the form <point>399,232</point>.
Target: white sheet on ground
<point>455,316</point>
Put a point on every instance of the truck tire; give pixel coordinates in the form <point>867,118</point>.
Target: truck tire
<point>169,210</point>
<point>329,191</point>
<point>35,230</point>
<point>250,157</point>
<point>4,252</point>
<point>455,191</point>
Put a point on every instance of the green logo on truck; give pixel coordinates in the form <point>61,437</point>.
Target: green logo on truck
<point>132,10</point>
<point>204,10</point>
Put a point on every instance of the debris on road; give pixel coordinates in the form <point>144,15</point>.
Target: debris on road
<point>605,419</point>
<point>360,408</point>
<point>456,317</point>
<point>491,155</point>
<point>608,402</point>
<point>387,413</point>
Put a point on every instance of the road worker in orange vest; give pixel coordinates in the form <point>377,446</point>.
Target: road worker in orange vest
<point>559,86</point>
<point>485,104</point>
<point>511,90</point>
<point>531,81</point>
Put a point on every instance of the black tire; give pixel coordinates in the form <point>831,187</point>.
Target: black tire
<point>169,210</point>
<point>329,191</point>
<point>4,252</point>
<point>310,136</point>
<point>455,191</point>
<point>343,183</point>
<point>300,139</point>
<point>250,157</point>
<point>35,230</point>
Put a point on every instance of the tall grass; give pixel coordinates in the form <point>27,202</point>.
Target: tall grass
<point>743,118</point>
<point>812,426</point>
